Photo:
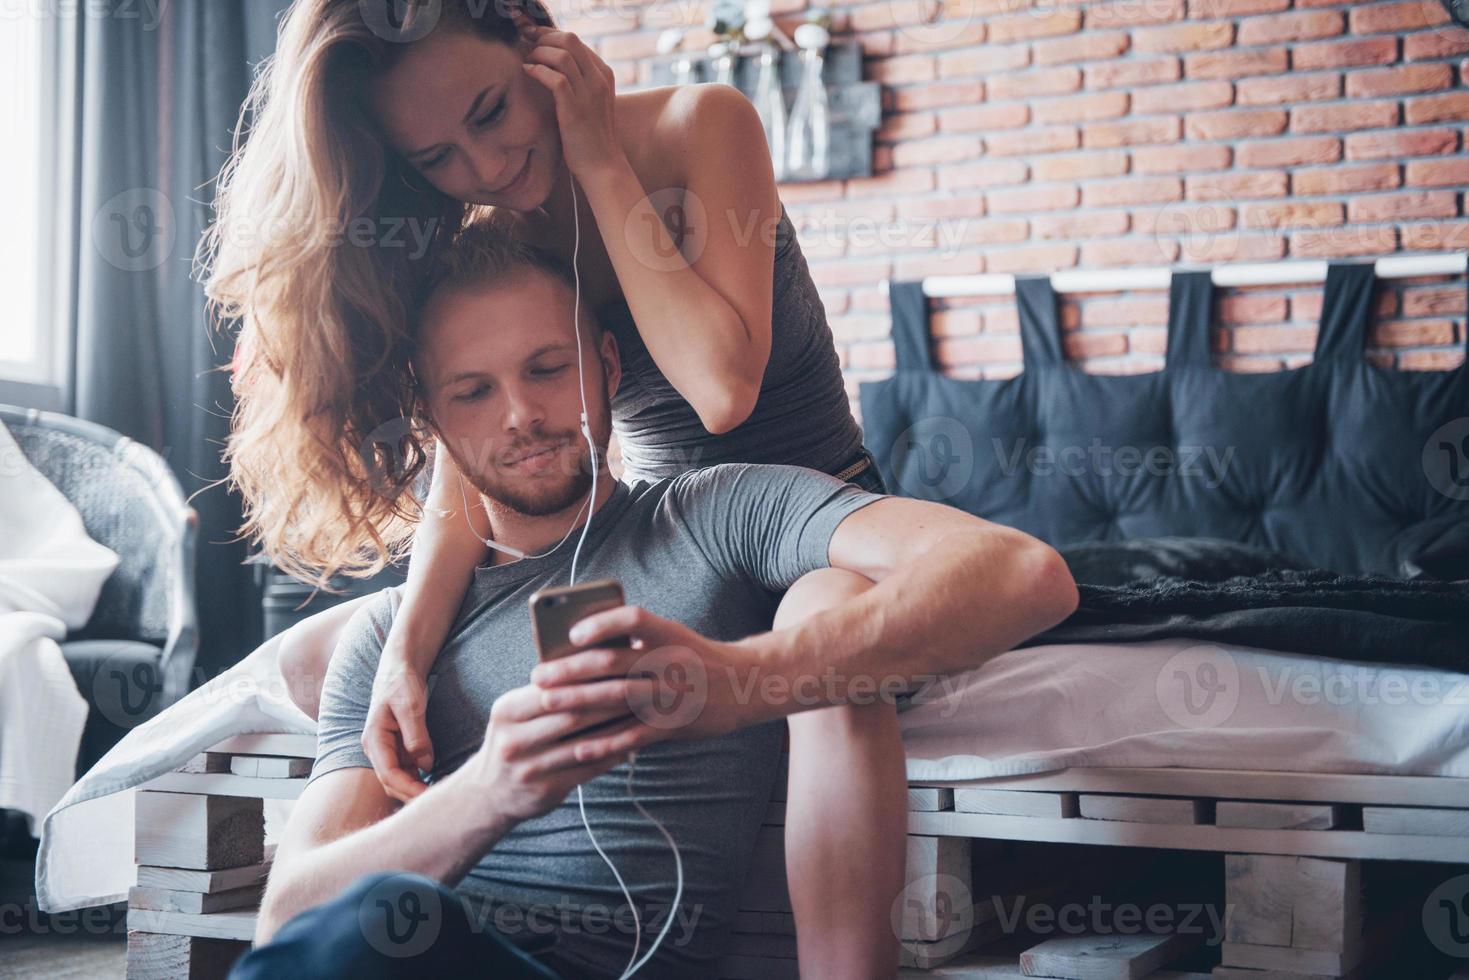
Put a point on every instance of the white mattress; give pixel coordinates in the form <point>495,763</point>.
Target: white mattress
<point>1030,710</point>
<point>1144,704</point>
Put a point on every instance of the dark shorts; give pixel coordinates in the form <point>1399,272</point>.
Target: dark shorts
<point>862,470</point>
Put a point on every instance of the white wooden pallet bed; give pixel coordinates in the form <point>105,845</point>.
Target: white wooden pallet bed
<point>201,871</point>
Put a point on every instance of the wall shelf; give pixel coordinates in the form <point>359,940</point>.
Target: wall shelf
<point>855,105</point>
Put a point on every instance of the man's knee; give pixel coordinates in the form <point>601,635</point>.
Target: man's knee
<point>817,591</point>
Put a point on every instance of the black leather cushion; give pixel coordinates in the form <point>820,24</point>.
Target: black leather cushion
<point>1329,463</point>
<point>122,682</point>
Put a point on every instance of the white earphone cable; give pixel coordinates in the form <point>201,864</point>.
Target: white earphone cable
<point>634,964</point>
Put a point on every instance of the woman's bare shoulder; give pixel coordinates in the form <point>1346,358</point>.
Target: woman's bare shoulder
<point>662,126</point>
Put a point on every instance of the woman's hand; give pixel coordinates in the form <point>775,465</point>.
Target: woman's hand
<point>583,86</point>
<point>395,734</point>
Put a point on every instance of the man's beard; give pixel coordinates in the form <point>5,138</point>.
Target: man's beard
<point>546,494</point>
<point>541,497</point>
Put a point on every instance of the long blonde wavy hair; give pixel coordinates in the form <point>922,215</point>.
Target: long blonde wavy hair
<point>321,449</point>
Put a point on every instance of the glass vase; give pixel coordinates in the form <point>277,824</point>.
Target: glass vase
<point>723,64</point>
<point>770,103</point>
<point>810,125</point>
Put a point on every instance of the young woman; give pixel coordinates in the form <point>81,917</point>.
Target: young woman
<point>370,142</point>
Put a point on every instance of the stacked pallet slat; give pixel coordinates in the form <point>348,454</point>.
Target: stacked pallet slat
<point>202,859</point>
<point>202,863</point>
<point>1302,917</point>
<point>1296,907</point>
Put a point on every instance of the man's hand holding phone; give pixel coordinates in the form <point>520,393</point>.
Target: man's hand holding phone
<point>533,756</point>
<point>691,686</point>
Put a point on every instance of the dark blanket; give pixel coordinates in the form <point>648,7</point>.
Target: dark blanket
<point>1348,617</point>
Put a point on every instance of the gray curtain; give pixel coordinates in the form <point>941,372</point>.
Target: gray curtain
<point>145,107</point>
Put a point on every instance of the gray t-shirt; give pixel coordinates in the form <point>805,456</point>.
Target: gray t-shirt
<point>713,549</point>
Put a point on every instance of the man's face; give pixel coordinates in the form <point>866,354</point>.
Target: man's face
<point>499,369</point>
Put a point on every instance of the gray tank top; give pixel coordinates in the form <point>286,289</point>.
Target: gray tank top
<point>801,417</point>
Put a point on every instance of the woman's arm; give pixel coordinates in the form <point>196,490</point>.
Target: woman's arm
<point>702,304</point>
<point>446,548</point>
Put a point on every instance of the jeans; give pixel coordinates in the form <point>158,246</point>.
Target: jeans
<point>391,924</point>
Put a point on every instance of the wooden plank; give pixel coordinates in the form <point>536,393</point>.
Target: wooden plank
<point>971,966</point>
<point>1260,891</point>
<point>915,955</point>
<point>1111,956</point>
<point>171,900</point>
<point>185,830</point>
<point>211,925</point>
<point>1239,784</point>
<point>270,743</point>
<point>1328,910</point>
<point>937,898</point>
<point>1429,821</point>
<point>1289,958</point>
<point>270,766</point>
<point>151,956</point>
<point>929,798</point>
<point>1203,837</point>
<point>226,784</point>
<point>1241,973</point>
<point>990,966</point>
<point>207,762</point>
<point>1143,809</point>
<point>1278,816</point>
<point>1014,803</point>
<point>1368,959</point>
<point>1306,903</point>
<point>206,882</point>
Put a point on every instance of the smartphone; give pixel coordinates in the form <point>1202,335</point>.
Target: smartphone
<point>554,611</point>
<point>552,614</point>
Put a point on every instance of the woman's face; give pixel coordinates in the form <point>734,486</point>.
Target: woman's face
<point>462,111</point>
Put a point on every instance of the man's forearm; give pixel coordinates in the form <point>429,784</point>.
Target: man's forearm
<point>965,600</point>
<point>432,835</point>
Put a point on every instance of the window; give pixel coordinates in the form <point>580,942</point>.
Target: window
<point>27,351</point>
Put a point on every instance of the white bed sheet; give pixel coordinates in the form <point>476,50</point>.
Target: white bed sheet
<point>1189,704</point>
<point>86,852</point>
<point>1030,710</point>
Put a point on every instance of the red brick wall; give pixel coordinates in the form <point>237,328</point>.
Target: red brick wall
<point>1027,137</point>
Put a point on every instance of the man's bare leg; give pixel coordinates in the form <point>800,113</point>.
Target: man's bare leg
<point>846,816</point>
